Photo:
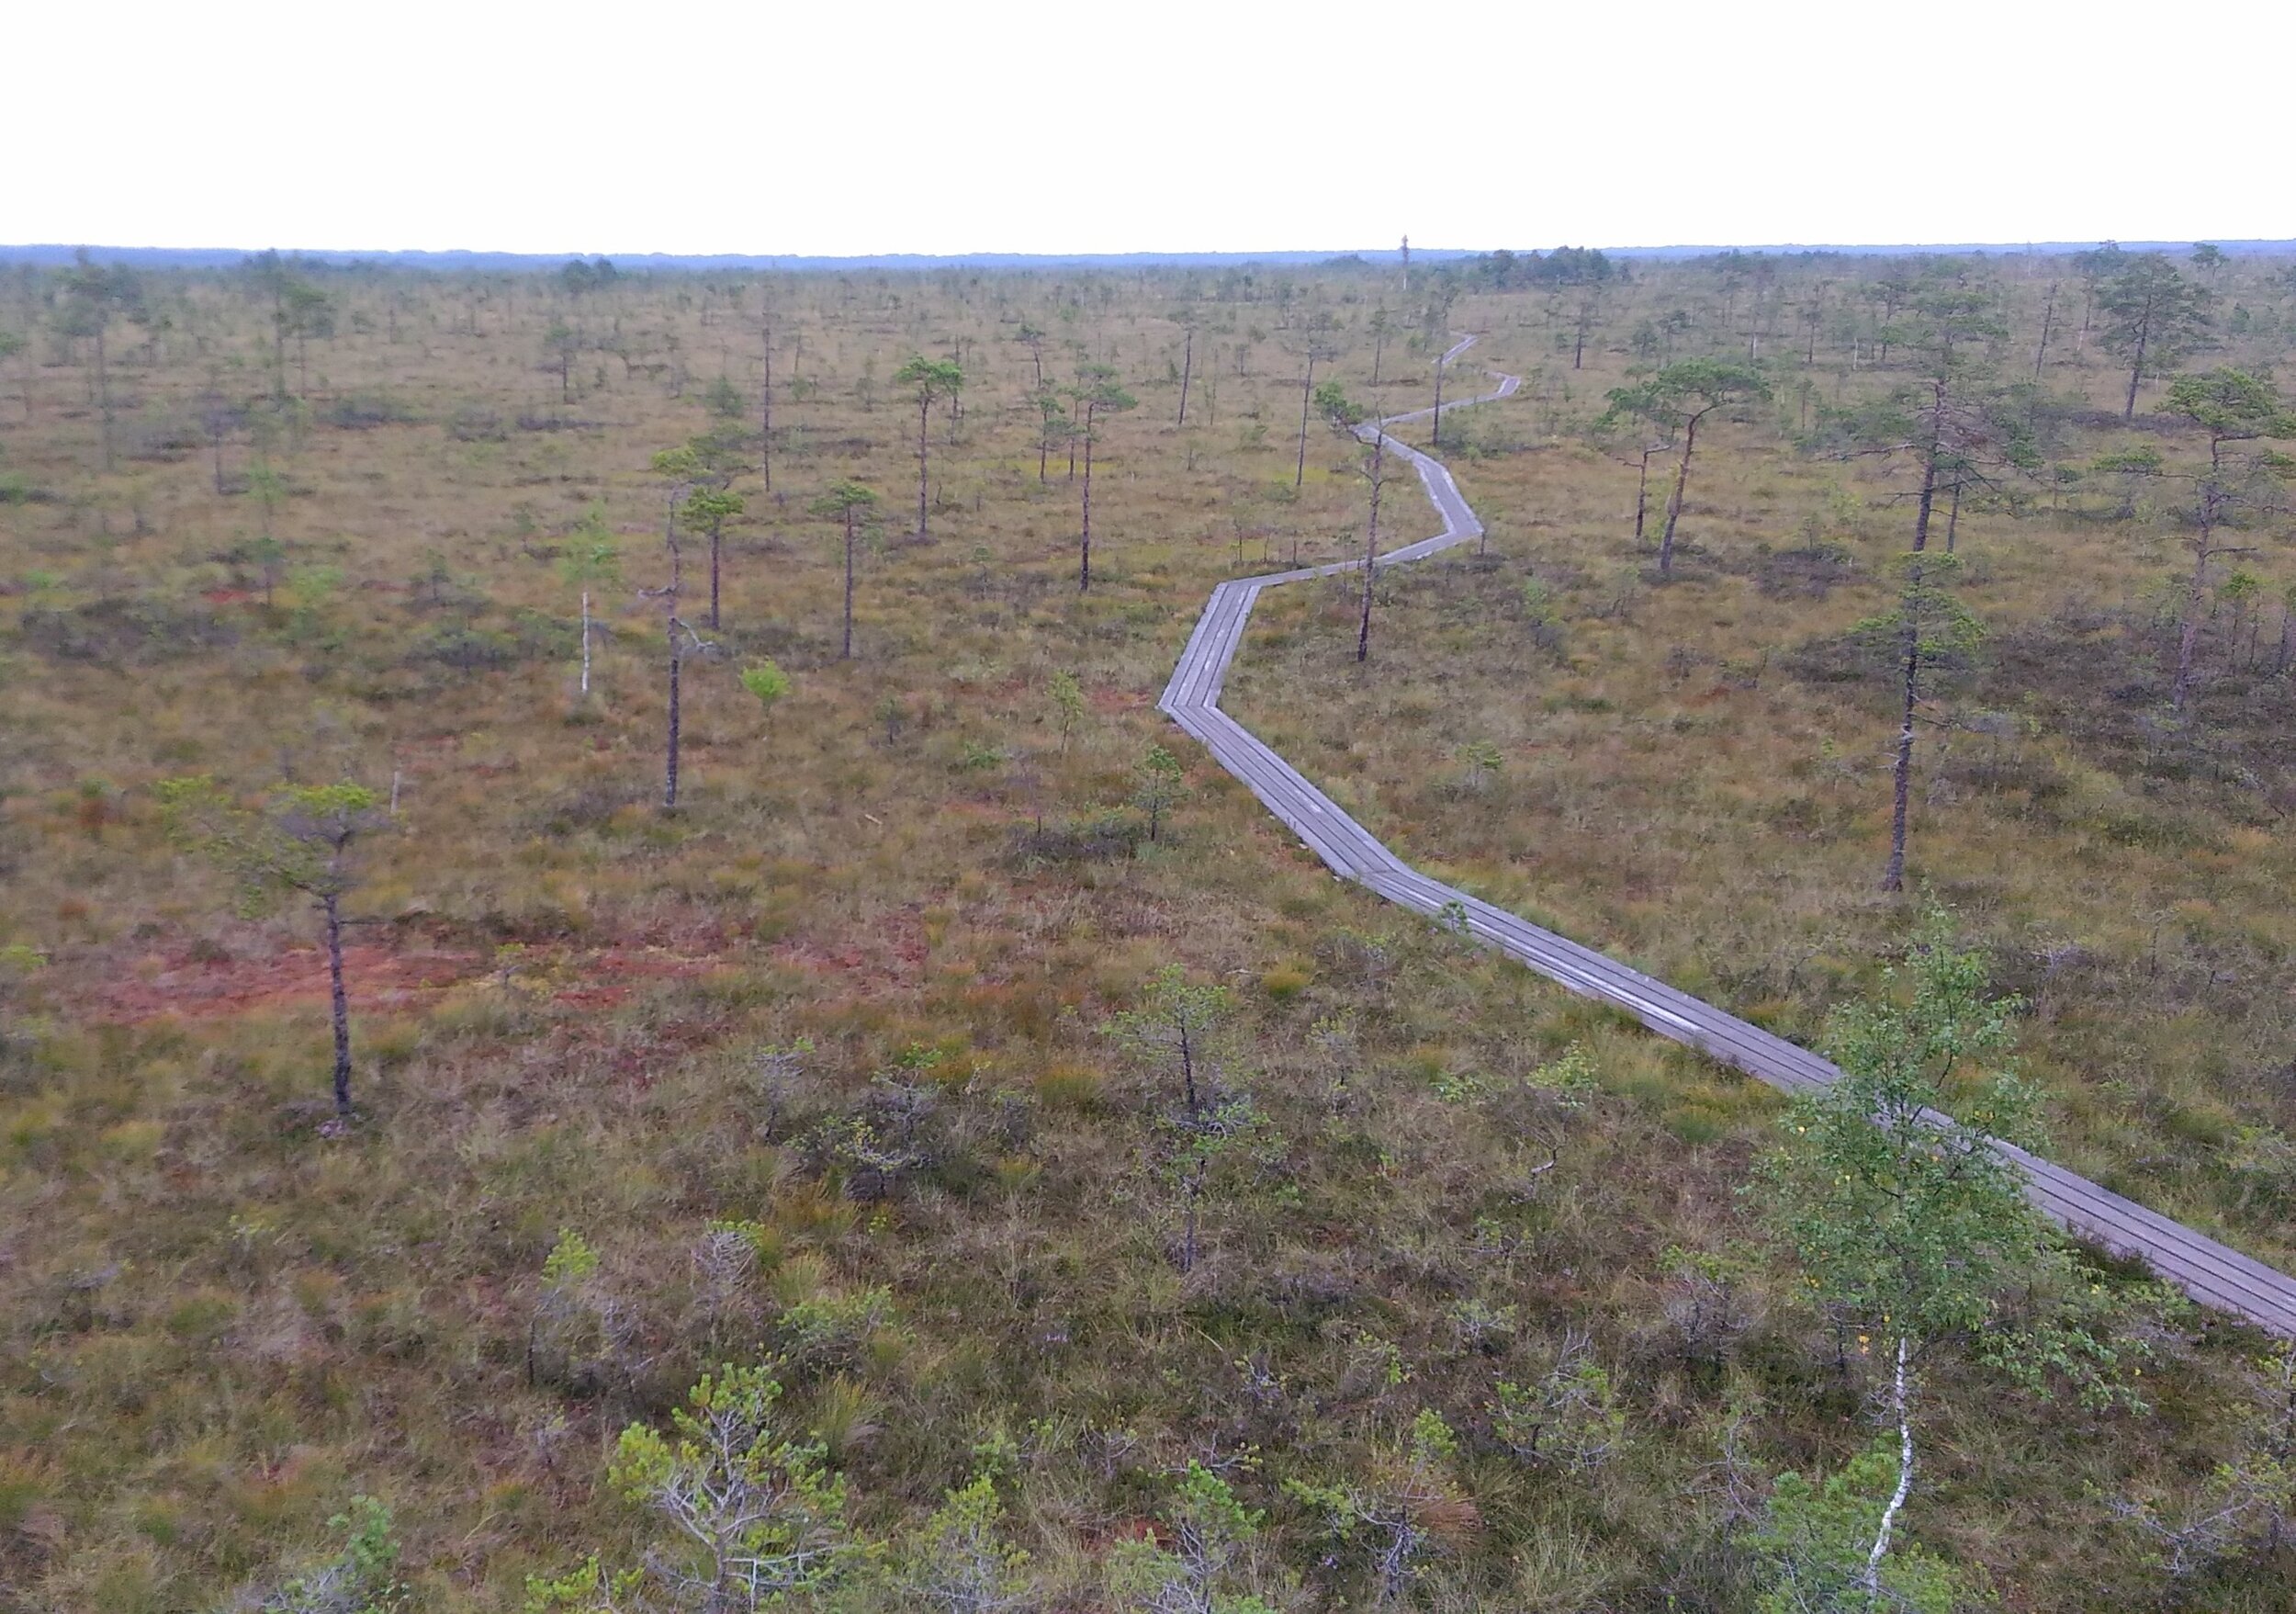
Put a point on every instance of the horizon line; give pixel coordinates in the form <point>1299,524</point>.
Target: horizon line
<point>43,251</point>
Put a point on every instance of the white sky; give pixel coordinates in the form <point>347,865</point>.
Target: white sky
<point>851,126</point>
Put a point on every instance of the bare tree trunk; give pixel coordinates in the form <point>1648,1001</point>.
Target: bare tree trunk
<point>103,392</point>
<point>2189,629</point>
<point>586,641</point>
<point>1083,548</point>
<point>1642,491</point>
<point>1928,502</point>
<point>2048,322</point>
<point>1871,1580</point>
<point>1190,1194</point>
<point>713,549</point>
<point>673,726</point>
<point>1952,517</point>
<point>1187,368</point>
<point>1674,504</point>
<point>1901,783</point>
<point>847,653</point>
<point>670,761</point>
<point>924,416</point>
<point>1371,543</point>
<point>339,1002</point>
<point>2196,593</point>
<point>765,410</point>
<point>1435,420</point>
<point>1307,386</point>
<point>2136,368</point>
<point>1901,799</point>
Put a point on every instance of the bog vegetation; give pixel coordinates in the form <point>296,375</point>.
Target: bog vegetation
<point>612,996</point>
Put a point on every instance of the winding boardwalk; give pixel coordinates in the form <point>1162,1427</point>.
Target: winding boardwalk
<point>2207,1271</point>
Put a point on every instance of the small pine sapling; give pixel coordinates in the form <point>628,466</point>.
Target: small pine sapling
<point>756,1517</point>
<point>1161,787</point>
<point>1068,705</point>
<point>767,682</point>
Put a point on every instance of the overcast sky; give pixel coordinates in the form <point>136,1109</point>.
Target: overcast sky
<point>851,127</point>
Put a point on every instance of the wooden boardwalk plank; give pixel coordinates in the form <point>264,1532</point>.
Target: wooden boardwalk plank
<point>2210,1272</point>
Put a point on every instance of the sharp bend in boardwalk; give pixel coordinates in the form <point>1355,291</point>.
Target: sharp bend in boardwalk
<point>2208,1271</point>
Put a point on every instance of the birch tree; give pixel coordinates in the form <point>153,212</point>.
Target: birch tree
<point>1911,1229</point>
<point>591,560</point>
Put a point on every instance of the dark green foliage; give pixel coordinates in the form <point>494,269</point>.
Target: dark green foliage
<point>140,631</point>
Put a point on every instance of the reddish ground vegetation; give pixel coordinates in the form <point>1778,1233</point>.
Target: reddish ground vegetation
<point>179,982</point>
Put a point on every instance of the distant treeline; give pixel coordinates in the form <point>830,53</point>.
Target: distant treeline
<point>1495,270</point>
<point>1566,265</point>
<point>155,257</point>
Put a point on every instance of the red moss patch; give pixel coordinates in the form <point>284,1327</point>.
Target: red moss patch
<point>377,977</point>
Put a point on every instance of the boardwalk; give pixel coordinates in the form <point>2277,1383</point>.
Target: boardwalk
<point>2211,1273</point>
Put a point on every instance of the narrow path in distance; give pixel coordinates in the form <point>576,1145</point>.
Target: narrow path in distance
<point>2208,1271</point>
